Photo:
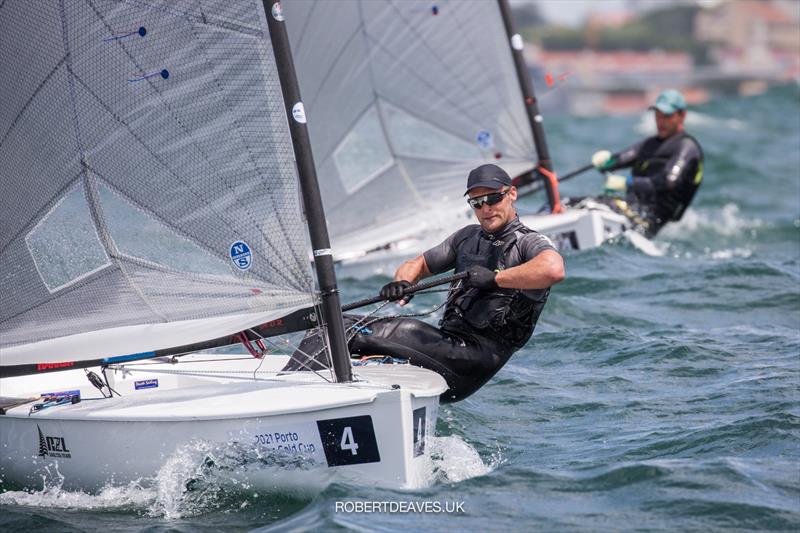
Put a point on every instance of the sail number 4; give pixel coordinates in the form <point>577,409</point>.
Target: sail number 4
<point>349,441</point>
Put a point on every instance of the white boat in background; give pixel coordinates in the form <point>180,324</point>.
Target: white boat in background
<point>407,98</point>
<point>150,210</point>
<point>582,228</point>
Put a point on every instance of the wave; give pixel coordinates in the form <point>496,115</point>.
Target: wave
<point>725,221</point>
<point>197,479</point>
<point>773,432</point>
<point>454,460</point>
<point>202,478</point>
<point>53,496</point>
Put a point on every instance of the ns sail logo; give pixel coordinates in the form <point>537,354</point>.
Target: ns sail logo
<point>241,255</point>
<point>52,446</point>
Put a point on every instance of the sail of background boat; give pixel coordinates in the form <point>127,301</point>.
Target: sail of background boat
<point>406,98</point>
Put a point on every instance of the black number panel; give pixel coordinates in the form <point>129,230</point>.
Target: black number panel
<point>349,441</point>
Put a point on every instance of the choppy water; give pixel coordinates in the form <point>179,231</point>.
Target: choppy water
<point>658,394</point>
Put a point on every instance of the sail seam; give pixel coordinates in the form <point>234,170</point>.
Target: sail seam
<point>89,194</point>
<point>334,64</point>
<point>66,290</point>
<point>400,166</point>
<point>155,156</point>
<point>298,273</point>
<point>350,126</point>
<point>31,99</point>
<point>466,113</point>
<point>41,213</point>
<point>119,253</point>
<point>520,130</point>
<point>433,53</point>
<point>116,254</point>
<point>208,20</point>
<point>302,34</point>
<point>279,271</point>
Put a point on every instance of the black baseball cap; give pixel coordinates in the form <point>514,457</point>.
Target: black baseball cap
<point>489,176</point>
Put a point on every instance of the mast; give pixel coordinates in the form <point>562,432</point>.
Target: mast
<point>544,165</point>
<point>309,186</point>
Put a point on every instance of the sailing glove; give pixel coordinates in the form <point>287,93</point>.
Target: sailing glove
<point>602,159</point>
<point>395,290</point>
<point>615,183</point>
<point>481,278</point>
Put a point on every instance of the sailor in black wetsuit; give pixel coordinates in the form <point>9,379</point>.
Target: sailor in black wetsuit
<point>491,313</point>
<point>666,169</point>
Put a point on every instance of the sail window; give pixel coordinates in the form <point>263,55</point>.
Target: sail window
<point>64,245</point>
<point>414,137</point>
<point>140,235</point>
<point>363,154</point>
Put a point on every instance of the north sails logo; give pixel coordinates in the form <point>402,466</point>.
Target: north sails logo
<point>52,446</point>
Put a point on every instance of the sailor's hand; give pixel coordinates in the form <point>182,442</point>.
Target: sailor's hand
<point>615,183</point>
<point>602,159</point>
<point>481,278</point>
<point>395,290</point>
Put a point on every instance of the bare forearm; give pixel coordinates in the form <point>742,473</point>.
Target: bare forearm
<point>412,270</point>
<point>541,272</point>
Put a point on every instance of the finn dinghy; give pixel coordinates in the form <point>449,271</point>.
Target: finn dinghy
<point>150,208</point>
<point>407,98</point>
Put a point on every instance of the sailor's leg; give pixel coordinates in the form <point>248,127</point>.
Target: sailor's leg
<point>465,363</point>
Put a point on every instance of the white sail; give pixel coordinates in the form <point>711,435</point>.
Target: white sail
<point>149,201</point>
<point>148,177</point>
<point>405,97</point>
<point>137,341</point>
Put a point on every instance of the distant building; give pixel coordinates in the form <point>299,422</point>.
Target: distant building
<point>618,68</point>
<point>751,44</point>
<point>612,82</point>
<point>738,24</point>
<point>596,22</point>
<point>756,37</point>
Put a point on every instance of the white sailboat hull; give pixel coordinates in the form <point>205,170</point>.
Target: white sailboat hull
<point>577,228</point>
<point>293,432</point>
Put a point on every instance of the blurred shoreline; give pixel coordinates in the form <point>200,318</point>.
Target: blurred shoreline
<point>617,62</point>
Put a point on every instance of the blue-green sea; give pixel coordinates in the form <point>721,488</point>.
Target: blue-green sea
<point>657,394</point>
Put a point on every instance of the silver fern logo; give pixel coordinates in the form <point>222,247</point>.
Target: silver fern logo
<point>52,446</point>
<point>42,443</point>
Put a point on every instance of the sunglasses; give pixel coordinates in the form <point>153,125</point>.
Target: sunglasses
<point>491,199</point>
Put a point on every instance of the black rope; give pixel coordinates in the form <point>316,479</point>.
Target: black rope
<point>359,325</point>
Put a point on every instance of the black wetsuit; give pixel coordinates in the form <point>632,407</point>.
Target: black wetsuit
<point>480,329</point>
<point>666,175</point>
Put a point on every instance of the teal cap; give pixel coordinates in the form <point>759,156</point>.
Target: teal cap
<point>669,101</point>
